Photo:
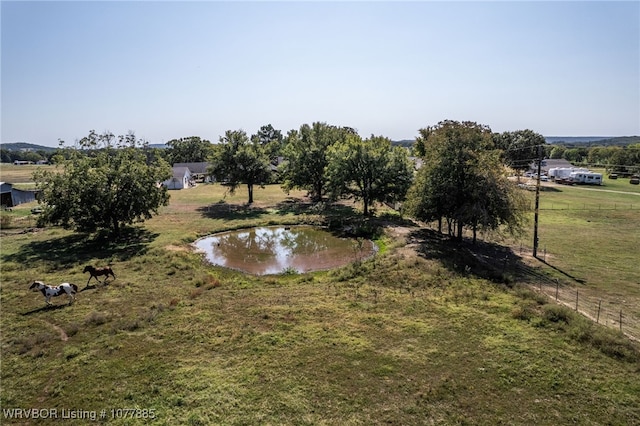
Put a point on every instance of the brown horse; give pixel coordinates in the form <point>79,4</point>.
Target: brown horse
<point>98,272</point>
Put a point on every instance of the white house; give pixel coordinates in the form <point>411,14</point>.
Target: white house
<point>181,179</point>
<point>198,170</point>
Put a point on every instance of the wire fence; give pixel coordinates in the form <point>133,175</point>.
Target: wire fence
<point>602,309</point>
<point>587,207</point>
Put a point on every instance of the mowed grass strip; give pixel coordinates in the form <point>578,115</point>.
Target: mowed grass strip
<point>399,339</point>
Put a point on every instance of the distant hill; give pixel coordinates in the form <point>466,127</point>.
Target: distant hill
<point>593,140</point>
<point>24,146</point>
<point>407,143</point>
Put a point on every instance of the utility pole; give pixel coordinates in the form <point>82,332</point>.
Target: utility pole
<point>535,226</point>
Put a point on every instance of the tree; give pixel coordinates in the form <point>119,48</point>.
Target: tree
<point>103,187</point>
<point>271,140</point>
<point>188,150</point>
<point>557,152</point>
<point>521,148</point>
<point>463,181</point>
<point>305,152</point>
<point>238,160</point>
<point>575,155</point>
<point>369,170</point>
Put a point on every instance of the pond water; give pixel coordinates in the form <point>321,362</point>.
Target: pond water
<point>275,249</point>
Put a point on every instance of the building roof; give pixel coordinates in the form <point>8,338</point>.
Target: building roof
<point>196,168</point>
<point>179,172</point>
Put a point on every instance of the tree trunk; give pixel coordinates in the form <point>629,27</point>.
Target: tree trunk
<point>459,236</point>
<point>116,226</point>
<point>250,189</point>
<point>317,197</point>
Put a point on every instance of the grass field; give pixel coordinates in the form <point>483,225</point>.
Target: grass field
<point>592,235</point>
<point>21,176</point>
<point>413,336</point>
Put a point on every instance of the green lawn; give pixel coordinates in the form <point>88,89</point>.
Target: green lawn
<point>409,337</point>
<point>591,234</point>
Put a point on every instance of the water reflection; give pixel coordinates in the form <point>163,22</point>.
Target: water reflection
<point>271,250</point>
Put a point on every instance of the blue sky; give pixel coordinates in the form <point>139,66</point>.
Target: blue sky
<point>167,70</point>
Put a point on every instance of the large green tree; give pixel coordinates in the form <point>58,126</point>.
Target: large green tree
<point>463,181</point>
<point>237,160</point>
<point>520,148</point>
<point>272,141</point>
<point>305,153</point>
<point>192,149</point>
<point>370,170</point>
<point>108,184</point>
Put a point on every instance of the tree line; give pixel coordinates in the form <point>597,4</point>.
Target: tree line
<point>613,158</point>
<point>113,181</point>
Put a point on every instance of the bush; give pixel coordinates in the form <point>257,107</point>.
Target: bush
<point>608,341</point>
<point>615,344</point>
<point>5,220</point>
<point>557,313</point>
<point>523,311</point>
<point>96,318</point>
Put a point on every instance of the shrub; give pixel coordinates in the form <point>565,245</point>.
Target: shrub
<point>557,313</point>
<point>70,352</point>
<point>615,344</point>
<point>27,344</point>
<point>96,318</point>
<point>5,221</point>
<point>195,293</point>
<point>523,311</point>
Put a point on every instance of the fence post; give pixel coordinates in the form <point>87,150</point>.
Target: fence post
<point>576,300</point>
<point>620,319</point>
<point>598,316</point>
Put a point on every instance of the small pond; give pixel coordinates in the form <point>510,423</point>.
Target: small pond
<point>276,249</point>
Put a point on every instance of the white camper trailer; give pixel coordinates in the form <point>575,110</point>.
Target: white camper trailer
<point>564,172</point>
<point>588,178</point>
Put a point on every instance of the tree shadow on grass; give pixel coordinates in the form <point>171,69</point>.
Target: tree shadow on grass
<point>224,210</point>
<point>77,248</point>
<point>295,206</point>
<point>566,274</point>
<point>487,260</point>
